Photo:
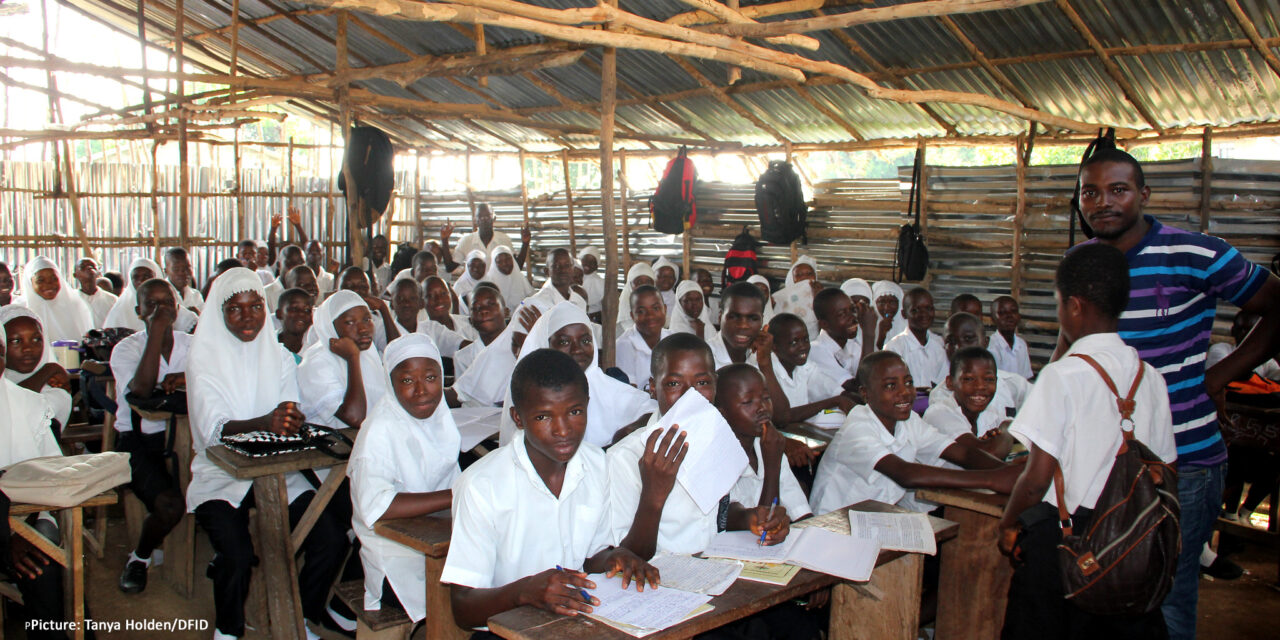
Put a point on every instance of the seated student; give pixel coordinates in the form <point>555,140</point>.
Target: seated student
<point>965,330</point>
<point>965,303</point>
<point>859,293</point>
<point>125,311</point>
<point>884,449</point>
<point>741,320</point>
<point>317,260</point>
<point>798,300</point>
<point>1070,422</point>
<point>919,347</point>
<point>639,275</point>
<point>507,276</point>
<point>712,303</point>
<point>240,379</point>
<point>99,300</point>
<point>484,384</point>
<point>666,275</point>
<point>840,345</point>
<point>488,318</point>
<point>761,283</point>
<point>151,361</point>
<point>290,257</point>
<point>440,308</point>
<point>635,345</point>
<point>7,294</point>
<point>177,268</point>
<point>384,324</point>
<point>341,374</point>
<point>531,519</point>
<point>559,285</point>
<point>247,254</point>
<point>301,277</point>
<point>887,297</point>
<point>971,415</point>
<point>219,269</point>
<point>293,314</point>
<point>692,315</point>
<point>1006,345</point>
<point>809,389</point>
<point>614,405</point>
<point>265,259</point>
<point>408,309</point>
<point>592,281</point>
<point>403,465</point>
<point>29,363</point>
<point>25,425</point>
<point>477,264</point>
<point>62,313</point>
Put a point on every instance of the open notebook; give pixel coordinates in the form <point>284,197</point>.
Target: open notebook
<point>812,548</point>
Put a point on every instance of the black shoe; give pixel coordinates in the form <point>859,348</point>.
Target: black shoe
<point>134,577</point>
<point>1223,569</point>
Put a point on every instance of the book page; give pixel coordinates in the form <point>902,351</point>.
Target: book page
<point>910,532</point>
<point>715,459</point>
<point>649,609</point>
<point>475,424</point>
<point>834,521</point>
<point>833,554</point>
<point>698,575</point>
<point>745,546</point>
<point>779,574</point>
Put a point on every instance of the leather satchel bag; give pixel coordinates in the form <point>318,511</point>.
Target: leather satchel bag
<point>263,444</point>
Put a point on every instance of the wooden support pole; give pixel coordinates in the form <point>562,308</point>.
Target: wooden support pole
<point>1255,38</point>
<point>184,178</point>
<point>1206,177</point>
<point>289,181</point>
<point>608,104</point>
<point>156,231</point>
<point>1019,219</point>
<point>482,48</point>
<point>922,190</point>
<point>568,196</point>
<point>626,223</point>
<point>524,192</point>
<point>73,199</point>
<point>355,247</point>
<point>242,211</point>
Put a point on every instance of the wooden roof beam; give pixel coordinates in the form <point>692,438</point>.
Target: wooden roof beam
<point>825,22</point>
<point>1254,37</point>
<point>981,58</point>
<point>470,65</point>
<point>1110,65</point>
<point>690,18</point>
<point>656,105</point>
<point>214,31</point>
<point>734,16</point>
<point>728,101</point>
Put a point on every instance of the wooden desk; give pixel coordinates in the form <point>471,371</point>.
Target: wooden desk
<point>429,534</point>
<point>70,554</point>
<point>973,581</point>
<point>886,607</point>
<point>179,545</point>
<point>275,543</point>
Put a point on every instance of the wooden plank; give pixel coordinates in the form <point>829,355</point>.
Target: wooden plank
<point>323,495</point>
<point>279,566</point>
<point>886,608</point>
<point>428,534</point>
<point>608,118</point>
<point>974,577</point>
<point>243,467</point>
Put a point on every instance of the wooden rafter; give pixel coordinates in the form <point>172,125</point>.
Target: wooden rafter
<point>1113,69</point>
<point>827,110</point>
<point>1255,38</point>
<point>830,21</point>
<point>757,11</point>
<point>732,15</point>
<point>215,31</point>
<point>473,65</point>
<point>656,105</point>
<point>981,58</point>
<point>729,101</point>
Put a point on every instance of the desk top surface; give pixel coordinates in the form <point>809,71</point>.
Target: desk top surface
<point>427,533</point>
<point>989,503</point>
<point>244,467</point>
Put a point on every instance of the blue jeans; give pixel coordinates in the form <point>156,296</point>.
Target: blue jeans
<point>1200,495</point>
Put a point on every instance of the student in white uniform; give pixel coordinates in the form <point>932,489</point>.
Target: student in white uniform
<point>509,278</point>
<point>839,346</point>
<point>970,412</point>
<point>341,375</point>
<point>761,283</point>
<point>146,363</point>
<point>884,450</point>
<point>441,309</point>
<point>531,519</point>
<point>240,379</point>
<point>294,317</point>
<point>177,268</point>
<point>9,293</point>
<point>403,465</point>
<point>99,300</point>
<point>592,280</point>
<point>614,405</point>
<point>559,285</point>
<point>744,402</point>
<point>411,317</point>
<point>639,275</point>
<point>1071,422</point>
<point>887,298</point>
<point>809,390</point>
<point>384,323</point>
<point>29,362</point>
<point>797,292</point>
<point>666,275</point>
<point>62,313</point>
<point>318,259</point>
<point>291,256</point>
<point>740,326</point>
<point>635,345</point>
<point>919,347</point>
<point>489,319</point>
<point>1009,348</point>
<point>124,313</point>
<point>691,314</point>
<point>964,330</point>
<point>476,264</point>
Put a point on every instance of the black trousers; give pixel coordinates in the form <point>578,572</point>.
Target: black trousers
<point>1037,607</point>
<point>42,597</point>
<point>323,551</point>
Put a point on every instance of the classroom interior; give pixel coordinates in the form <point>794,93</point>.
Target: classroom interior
<point>131,127</point>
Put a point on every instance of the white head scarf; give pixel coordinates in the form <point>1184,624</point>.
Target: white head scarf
<point>857,287</point>
<point>589,251</point>
<point>229,379</point>
<point>124,313</point>
<point>465,282</point>
<point>768,299</point>
<point>791,273</point>
<point>487,379</point>
<point>680,321</point>
<point>319,365</point>
<point>797,297</point>
<point>664,262</point>
<point>612,404</point>
<point>514,286</point>
<point>67,316</point>
<point>889,288</point>
<point>13,312</point>
<point>624,299</point>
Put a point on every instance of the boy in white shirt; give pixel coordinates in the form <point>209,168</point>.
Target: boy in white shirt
<point>150,361</point>
<point>964,330</point>
<point>488,318</point>
<point>99,300</point>
<point>884,449</point>
<point>970,413</point>
<point>529,515</point>
<point>919,347</point>
<point>1071,421</point>
<point>740,326</point>
<point>808,389</point>
<point>1007,346</point>
<point>839,345</point>
<point>635,345</point>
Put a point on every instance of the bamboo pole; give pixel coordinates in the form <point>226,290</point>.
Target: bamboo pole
<point>932,8</point>
<point>730,14</point>
<point>608,102</point>
<point>626,231</point>
<point>568,195</point>
<point>76,218</point>
<point>241,209</point>
<point>289,177</point>
<point>184,178</point>
<point>1206,177</point>
<point>155,200</point>
<point>355,248</point>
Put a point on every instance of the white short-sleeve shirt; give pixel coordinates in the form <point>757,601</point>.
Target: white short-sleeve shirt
<point>1072,415</point>
<point>840,363</point>
<point>1015,357</point>
<point>806,383</point>
<point>634,355</point>
<point>720,353</point>
<point>125,359</point>
<point>847,473</point>
<point>1011,392</point>
<point>746,491</point>
<point>927,362</point>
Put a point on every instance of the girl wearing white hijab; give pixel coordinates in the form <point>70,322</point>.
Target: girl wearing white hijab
<point>62,313</point>
<point>486,381</point>
<point>124,313</point>
<point>638,271</point>
<point>635,345</point>
<point>39,372</point>
<point>660,279</point>
<point>682,322</point>
<point>762,283</point>
<point>514,285</point>
<point>887,297</point>
<point>855,288</point>
<point>240,379</point>
<point>403,465</point>
<point>612,404</point>
<point>592,283</point>
<point>341,374</point>
<point>468,280</point>
<point>796,294</point>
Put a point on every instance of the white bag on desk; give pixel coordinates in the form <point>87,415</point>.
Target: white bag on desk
<point>64,481</point>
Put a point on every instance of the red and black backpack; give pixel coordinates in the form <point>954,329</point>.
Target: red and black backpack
<point>740,262</point>
<point>672,205</point>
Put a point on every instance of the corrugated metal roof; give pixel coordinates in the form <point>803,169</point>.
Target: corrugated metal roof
<point>1220,87</point>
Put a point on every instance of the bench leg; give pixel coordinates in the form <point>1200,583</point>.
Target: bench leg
<point>179,556</point>
<point>973,581</point>
<point>886,608</point>
<point>439,623</point>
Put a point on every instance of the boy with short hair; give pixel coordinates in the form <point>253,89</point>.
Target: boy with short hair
<point>884,449</point>
<point>919,347</point>
<point>1071,421</point>
<point>177,268</point>
<point>536,505</point>
<point>488,319</point>
<point>740,325</point>
<point>99,299</point>
<point>966,303</point>
<point>293,314</point>
<point>1010,350</point>
<point>970,415</point>
<point>809,389</point>
<point>840,344</point>
<point>964,330</point>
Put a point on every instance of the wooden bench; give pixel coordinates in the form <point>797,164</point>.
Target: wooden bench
<point>382,624</point>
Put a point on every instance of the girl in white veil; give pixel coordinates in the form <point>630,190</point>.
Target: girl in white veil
<point>514,286</point>
<point>890,311</point>
<point>638,271</point>
<point>51,382</point>
<point>64,315</point>
<point>681,322</point>
<point>469,280</point>
<point>124,313</point>
<point>343,348</point>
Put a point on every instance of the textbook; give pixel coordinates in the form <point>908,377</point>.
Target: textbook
<point>910,532</point>
<point>813,548</point>
<point>641,613</point>
<point>779,574</point>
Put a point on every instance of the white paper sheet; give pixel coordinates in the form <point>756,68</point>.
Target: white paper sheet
<point>745,546</point>
<point>715,460</point>
<point>813,548</point>
<point>475,424</point>
<point>909,532</point>
<point>697,575</point>
<point>649,609</point>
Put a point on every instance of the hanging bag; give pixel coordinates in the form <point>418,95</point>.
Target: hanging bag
<point>912,257</point>
<point>780,204</point>
<point>672,206</point>
<point>741,261</point>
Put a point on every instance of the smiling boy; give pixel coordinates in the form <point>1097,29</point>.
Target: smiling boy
<point>635,345</point>
<point>919,347</point>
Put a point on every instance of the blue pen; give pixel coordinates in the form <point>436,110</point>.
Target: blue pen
<point>586,597</point>
<point>763,532</point>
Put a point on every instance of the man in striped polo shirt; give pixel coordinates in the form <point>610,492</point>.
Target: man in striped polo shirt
<point>1176,280</point>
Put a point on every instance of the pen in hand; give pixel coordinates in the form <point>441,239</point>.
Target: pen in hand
<point>764,532</point>
<point>586,597</point>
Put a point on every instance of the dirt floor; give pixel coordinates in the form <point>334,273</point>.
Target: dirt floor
<point>1241,609</point>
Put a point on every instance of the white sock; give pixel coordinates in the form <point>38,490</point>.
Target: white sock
<point>218,635</point>
<point>133,557</point>
<point>1207,556</point>
<point>311,635</point>
<point>346,623</point>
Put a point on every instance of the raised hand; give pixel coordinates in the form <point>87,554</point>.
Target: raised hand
<point>295,216</point>
<point>446,232</point>
<point>660,463</point>
<point>344,348</point>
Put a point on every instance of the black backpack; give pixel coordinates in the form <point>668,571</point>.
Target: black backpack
<point>370,156</point>
<point>672,206</point>
<point>780,204</point>
<point>740,262</point>
<point>912,258</point>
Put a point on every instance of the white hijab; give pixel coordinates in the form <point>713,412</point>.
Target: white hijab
<point>465,282</point>
<point>13,312</point>
<point>67,316</point>
<point>680,321</point>
<point>439,426</point>
<point>791,273</point>
<point>889,288</point>
<point>612,404</point>
<point>23,413</point>
<point>320,366</point>
<point>487,379</point>
<point>857,287</point>
<point>768,298</point>
<point>797,297</point>
<point>514,286</point>
<point>624,299</point>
